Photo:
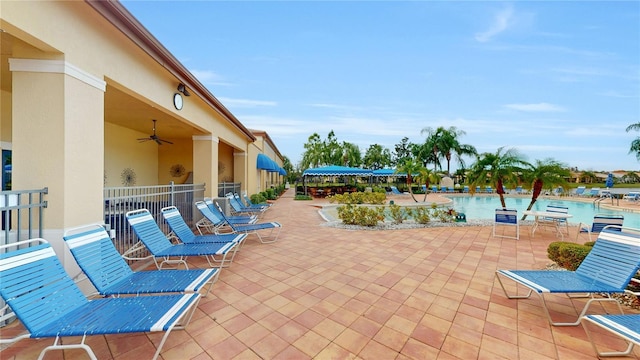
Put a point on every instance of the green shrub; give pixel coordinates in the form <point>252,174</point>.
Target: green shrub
<point>376,198</point>
<point>568,255</point>
<point>360,215</point>
<point>271,194</point>
<point>303,197</point>
<point>399,214</point>
<point>422,214</point>
<point>445,215</point>
<point>258,198</point>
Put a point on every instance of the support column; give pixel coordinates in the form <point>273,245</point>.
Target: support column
<point>58,141</point>
<point>240,170</point>
<point>205,163</point>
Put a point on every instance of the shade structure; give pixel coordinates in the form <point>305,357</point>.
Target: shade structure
<point>335,170</point>
<point>282,172</point>
<point>388,172</point>
<point>265,163</point>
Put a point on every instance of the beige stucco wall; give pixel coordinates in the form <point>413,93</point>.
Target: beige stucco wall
<point>123,151</point>
<point>178,154</point>
<point>226,163</point>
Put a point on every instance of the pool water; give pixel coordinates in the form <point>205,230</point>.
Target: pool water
<point>483,207</point>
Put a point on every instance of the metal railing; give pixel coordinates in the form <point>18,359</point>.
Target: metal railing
<point>120,200</point>
<point>20,211</point>
<point>225,188</point>
<point>17,205</point>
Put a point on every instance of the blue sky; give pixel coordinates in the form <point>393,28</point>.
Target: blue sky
<point>554,79</point>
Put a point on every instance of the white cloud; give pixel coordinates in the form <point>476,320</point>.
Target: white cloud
<point>501,22</point>
<point>539,107</point>
<point>206,76</point>
<point>245,103</point>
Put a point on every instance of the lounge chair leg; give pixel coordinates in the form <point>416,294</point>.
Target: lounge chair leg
<point>512,296</point>
<point>609,353</point>
<point>582,313</point>
<point>57,346</point>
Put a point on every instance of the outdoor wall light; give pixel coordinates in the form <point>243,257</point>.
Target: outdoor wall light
<point>183,89</point>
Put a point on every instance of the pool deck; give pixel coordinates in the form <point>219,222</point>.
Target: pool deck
<point>328,293</point>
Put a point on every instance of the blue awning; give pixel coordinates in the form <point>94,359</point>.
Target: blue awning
<point>265,163</point>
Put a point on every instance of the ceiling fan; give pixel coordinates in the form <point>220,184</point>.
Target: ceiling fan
<point>154,137</point>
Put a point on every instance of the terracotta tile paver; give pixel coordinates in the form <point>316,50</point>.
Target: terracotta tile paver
<point>326,293</point>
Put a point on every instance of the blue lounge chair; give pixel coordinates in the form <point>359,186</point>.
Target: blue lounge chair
<point>632,196</point>
<point>250,204</point>
<point>478,190</point>
<point>239,209</point>
<point>489,190</point>
<point>161,249</point>
<point>607,269</point>
<point>465,189</point>
<point>98,258</point>
<point>237,219</point>
<point>625,326</point>
<point>519,190</point>
<point>600,221</point>
<point>579,191</point>
<point>594,192</point>
<point>182,232</point>
<point>434,189</point>
<point>395,191</point>
<point>506,217</point>
<point>221,225</point>
<point>50,305</point>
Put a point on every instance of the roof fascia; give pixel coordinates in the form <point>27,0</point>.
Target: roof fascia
<point>123,20</point>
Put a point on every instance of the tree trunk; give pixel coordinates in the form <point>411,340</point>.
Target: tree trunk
<point>409,182</point>
<point>500,191</point>
<point>426,191</point>
<point>537,189</point>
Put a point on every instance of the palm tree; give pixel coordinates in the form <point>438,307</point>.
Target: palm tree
<point>497,168</point>
<point>635,144</point>
<point>313,154</point>
<point>410,167</point>
<point>431,146</point>
<point>588,177</point>
<point>426,176</point>
<point>545,172</point>
<point>351,155</point>
<point>449,145</point>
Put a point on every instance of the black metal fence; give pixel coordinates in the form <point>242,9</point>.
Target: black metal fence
<point>120,200</point>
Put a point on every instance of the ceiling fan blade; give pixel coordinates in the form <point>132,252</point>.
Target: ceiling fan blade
<point>154,137</point>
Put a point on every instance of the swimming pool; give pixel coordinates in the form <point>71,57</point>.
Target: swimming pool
<point>483,207</point>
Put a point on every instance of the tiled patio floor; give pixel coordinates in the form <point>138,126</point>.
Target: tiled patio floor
<point>327,293</point>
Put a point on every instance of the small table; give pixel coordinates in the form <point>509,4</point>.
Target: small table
<point>555,216</point>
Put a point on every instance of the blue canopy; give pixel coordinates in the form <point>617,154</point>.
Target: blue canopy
<point>335,170</point>
<point>265,163</point>
<point>282,172</point>
<point>388,172</point>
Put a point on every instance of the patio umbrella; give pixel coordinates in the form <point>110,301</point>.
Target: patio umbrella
<point>609,182</point>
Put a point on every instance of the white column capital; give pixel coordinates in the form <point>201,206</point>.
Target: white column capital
<point>56,67</point>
